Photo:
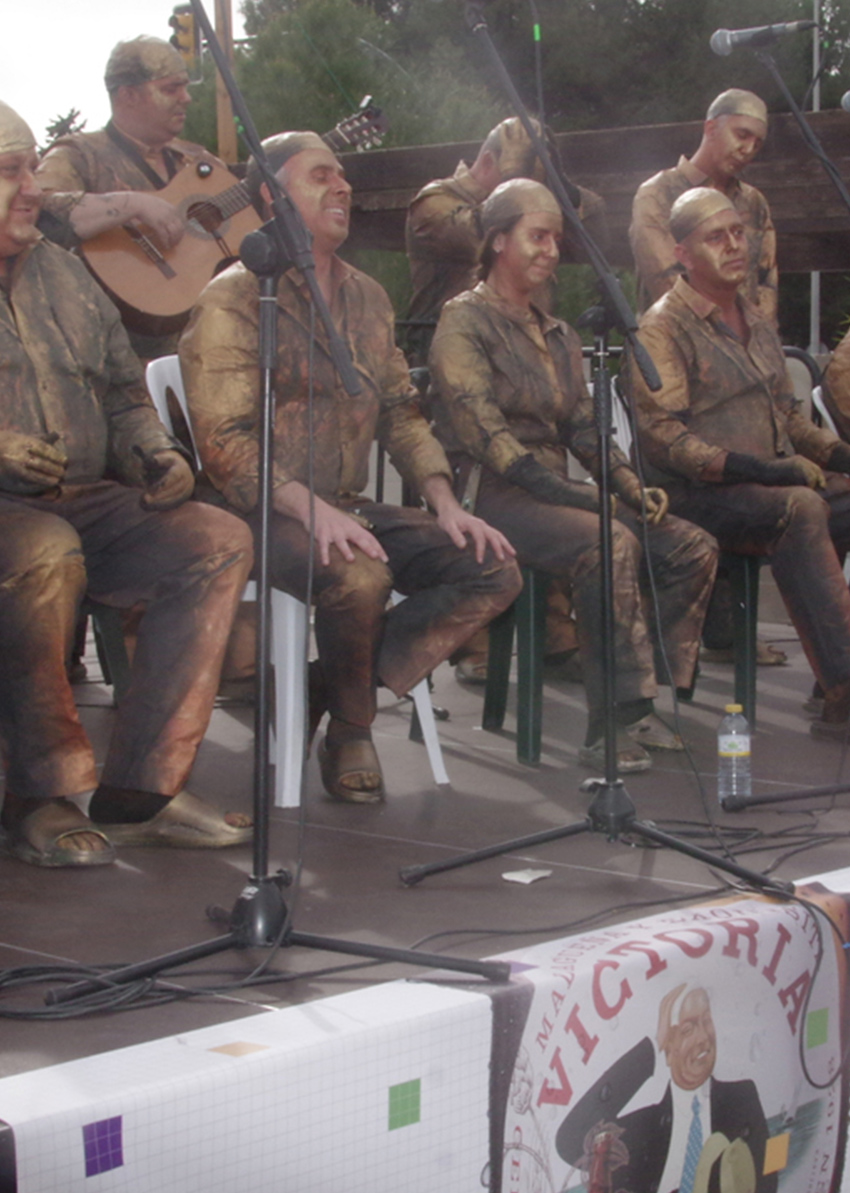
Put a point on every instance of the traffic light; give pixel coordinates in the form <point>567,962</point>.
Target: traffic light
<point>186,37</point>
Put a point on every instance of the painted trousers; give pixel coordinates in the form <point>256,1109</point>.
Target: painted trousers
<point>804,537</point>
<point>449,596</point>
<point>187,567</point>
<point>564,542</point>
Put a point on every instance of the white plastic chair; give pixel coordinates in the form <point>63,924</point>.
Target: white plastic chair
<point>818,403</point>
<point>289,635</point>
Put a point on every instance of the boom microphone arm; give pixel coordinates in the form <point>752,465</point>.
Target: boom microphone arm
<point>809,135</point>
<point>621,315</point>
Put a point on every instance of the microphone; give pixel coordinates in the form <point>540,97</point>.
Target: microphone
<point>845,101</point>
<point>723,41</point>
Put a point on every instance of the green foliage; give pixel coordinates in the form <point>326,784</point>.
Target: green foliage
<point>605,63</point>
<point>311,62</point>
<point>63,126</point>
<point>610,63</point>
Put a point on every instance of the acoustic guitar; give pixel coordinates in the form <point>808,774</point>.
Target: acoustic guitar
<point>156,288</point>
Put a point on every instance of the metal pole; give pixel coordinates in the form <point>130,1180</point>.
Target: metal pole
<point>225,128</point>
<point>814,281</point>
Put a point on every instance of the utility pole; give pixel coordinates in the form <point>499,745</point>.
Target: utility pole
<point>225,128</point>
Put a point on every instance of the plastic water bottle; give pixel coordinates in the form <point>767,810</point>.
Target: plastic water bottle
<point>734,780</point>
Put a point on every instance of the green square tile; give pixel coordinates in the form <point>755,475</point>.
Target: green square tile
<point>817,1027</point>
<point>405,1102</point>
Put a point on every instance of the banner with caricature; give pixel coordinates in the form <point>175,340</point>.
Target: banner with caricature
<point>698,1051</point>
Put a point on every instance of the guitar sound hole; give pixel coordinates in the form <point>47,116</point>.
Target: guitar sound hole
<point>207,215</point>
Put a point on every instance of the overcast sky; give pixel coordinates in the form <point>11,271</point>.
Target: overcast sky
<point>54,52</point>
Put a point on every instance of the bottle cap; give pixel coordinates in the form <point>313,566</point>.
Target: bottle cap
<point>734,708</point>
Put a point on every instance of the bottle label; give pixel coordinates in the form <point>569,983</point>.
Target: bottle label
<point>733,745</point>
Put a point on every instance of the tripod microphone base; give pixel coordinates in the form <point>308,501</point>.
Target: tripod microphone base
<point>611,811</point>
<point>259,913</point>
<point>258,920</point>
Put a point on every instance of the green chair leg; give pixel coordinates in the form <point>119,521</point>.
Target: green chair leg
<point>528,616</point>
<point>744,580</point>
<point>498,670</point>
<point>531,641</point>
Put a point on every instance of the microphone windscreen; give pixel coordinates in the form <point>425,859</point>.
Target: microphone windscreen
<point>845,101</point>
<point>721,42</point>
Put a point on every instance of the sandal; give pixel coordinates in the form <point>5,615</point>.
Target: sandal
<point>631,756</point>
<point>351,770</point>
<point>185,822</point>
<point>472,669</point>
<point>651,732</point>
<point>37,837</point>
<point>767,655</point>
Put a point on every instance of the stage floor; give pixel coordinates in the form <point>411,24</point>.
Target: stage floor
<point>154,901</point>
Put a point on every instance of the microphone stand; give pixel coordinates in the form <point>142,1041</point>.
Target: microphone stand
<point>809,135</point>
<point>611,809</point>
<point>259,917</point>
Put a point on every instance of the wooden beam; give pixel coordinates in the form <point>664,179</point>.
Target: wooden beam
<point>812,224</point>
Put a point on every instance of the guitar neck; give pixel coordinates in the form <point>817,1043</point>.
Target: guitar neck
<point>234,199</point>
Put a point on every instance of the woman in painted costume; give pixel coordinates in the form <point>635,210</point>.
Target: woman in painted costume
<point>510,398</point>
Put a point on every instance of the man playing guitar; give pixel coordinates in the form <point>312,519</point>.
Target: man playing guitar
<point>95,182</point>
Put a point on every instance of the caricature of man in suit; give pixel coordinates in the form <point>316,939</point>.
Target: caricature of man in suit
<point>655,1139</point>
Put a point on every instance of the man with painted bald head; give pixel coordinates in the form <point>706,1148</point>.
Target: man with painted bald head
<point>97,181</point>
<point>456,572</point>
<point>94,499</point>
<point>727,440</point>
<point>733,133</point>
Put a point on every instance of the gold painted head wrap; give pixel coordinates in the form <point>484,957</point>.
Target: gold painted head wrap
<point>279,149</point>
<point>512,200</point>
<point>737,102</point>
<point>513,151</point>
<point>15,134</point>
<point>694,206</point>
<point>141,60</point>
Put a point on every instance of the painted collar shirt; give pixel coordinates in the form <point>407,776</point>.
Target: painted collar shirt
<point>510,381</point>
<point>67,368</point>
<point>218,353</point>
<point>95,163</point>
<point>717,393</point>
<point>443,239</point>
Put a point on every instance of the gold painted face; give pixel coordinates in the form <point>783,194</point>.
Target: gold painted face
<point>692,1047</point>
<point>159,107</point>
<point>528,255</point>
<point>734,141</point>
<point>716,254</point>
<point>20,201</point>
<point>316,183</point>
